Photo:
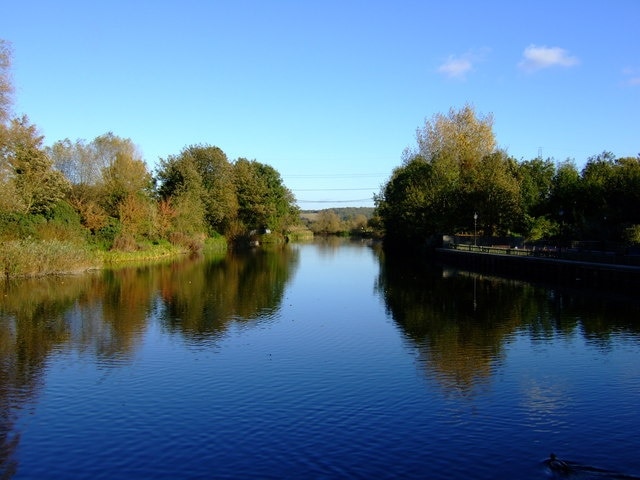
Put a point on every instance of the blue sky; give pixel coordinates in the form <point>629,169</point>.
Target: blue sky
<point>328,92</point>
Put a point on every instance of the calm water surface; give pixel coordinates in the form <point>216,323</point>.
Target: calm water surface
<point>323,360</point>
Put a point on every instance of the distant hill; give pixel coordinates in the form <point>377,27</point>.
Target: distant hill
<point>345,213</point>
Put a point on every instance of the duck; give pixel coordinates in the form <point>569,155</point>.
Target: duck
<point>557,465</point>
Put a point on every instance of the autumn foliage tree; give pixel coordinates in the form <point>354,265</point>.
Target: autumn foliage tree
<point>111,187</point>
<point>454,171</point>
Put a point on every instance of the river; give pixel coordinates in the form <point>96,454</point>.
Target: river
<point>320,360</point>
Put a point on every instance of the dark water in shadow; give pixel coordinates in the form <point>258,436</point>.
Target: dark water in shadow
<point>324,360</point>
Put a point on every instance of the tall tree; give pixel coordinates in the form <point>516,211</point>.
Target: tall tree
<point>105,149</point>
<point>6,86</point>
<point>409,204</point>
<point>461,136</point>
<point>536,182</point>
<point>182,195</point>
<point>263,200</point>
<point>77,161</point>
<point>202,174</point>
<point>496,193</point>
<point>564,202</point>
<point>436,187</point>
<point>30,184</point>
<point>124,177</point>
<point>103,173</point>
<point>536,177</point>
<point>127,190</point>
<point>624,192</point>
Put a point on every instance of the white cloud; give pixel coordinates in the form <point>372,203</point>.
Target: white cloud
<point>632,76</point>
<point>457,66</point>
<point>537,58</point>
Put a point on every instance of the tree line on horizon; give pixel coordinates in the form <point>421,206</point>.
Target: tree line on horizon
<point>103,191</point>
<point>456,180</point>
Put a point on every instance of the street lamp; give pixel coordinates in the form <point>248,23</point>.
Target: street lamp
<point>475,228</point>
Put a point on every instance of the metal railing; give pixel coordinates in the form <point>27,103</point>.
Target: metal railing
<point>610,258</point>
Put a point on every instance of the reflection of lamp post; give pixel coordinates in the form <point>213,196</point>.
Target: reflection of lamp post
<point>475,228</point>
<point>561,230</point>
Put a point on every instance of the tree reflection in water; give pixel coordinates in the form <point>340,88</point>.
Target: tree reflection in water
<point>107,313</point>
<point>460,322</point>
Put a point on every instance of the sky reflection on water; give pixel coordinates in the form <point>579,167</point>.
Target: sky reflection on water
<point>325,360</point>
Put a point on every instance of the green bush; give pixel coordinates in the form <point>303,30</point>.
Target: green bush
<point>104,238</point>
<point>15,226</point>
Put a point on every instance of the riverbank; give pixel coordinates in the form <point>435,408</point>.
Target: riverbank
<point>623,277</point>
<point>35,258</point>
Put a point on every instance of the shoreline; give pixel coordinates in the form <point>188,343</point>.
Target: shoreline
<point>566,272</point>
<point>38,259</point>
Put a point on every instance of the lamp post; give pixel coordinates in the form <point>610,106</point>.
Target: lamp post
<point>475,228</point>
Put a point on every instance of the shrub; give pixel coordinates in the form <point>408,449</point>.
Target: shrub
<point>105,236</point>
<point>15,226</point>
<point>194,243</point>
<point>125,242</point>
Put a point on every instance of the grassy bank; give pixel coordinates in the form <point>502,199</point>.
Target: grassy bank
<point>30,258</point>
<point>33,258</point>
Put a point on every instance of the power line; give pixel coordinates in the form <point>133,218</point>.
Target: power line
<point>335,201</point>
<point>330,189</point>
<point>337,175</point>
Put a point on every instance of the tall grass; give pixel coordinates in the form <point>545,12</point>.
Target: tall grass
<point>143,253</point>
<point>29,258</point>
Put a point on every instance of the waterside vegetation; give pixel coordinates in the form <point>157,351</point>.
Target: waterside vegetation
<point>77,205</point>
<point>456,180</point>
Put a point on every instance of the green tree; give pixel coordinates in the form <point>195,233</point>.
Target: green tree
<point>564,206</point>
<point>495,191</point>
<point>624,191</point>
<point>593,200</point>
<point>252,192</point>
<point>182,194</point>
<point>536,181</point>
<point>536,177</point>
<point>30,183</point>
<point>202,173</point>
<point>263,200</point>
<point>451,173</point>
<point>407,205</point>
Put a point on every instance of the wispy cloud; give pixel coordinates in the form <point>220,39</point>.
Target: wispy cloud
<point>458,66</point>
<point>536,58</point>
<point>632,76</point>
<point>455,67</point>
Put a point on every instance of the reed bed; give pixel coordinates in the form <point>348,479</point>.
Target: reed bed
<point>31,258</point>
